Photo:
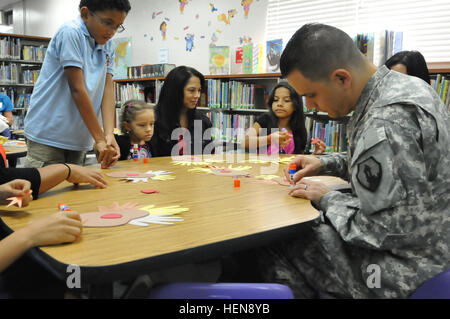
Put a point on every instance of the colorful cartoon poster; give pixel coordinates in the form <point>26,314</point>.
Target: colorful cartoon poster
<point>219,60</point>
<point>213,8</point>
<point>274,50</point>
<point>247,64</point>
<point>238,59</point>
<point>189,42</point>
<point>226,18</point>
<point>163,29</point>
<point>246,5</point>
<point>239,55</point>
<point>122,57</point>
<point>258,57</point>
<point>183,3</point>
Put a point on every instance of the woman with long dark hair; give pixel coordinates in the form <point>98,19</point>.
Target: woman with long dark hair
<point>179,128</point>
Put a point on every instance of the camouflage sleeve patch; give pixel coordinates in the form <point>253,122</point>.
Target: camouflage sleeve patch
<point>373,175</point>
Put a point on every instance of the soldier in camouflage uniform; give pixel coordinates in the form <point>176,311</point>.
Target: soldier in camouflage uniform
<point>391,233</point>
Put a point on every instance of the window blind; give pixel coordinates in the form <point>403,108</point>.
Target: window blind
<point>425,24</point>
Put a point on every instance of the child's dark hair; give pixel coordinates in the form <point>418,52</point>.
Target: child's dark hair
<point>297,120</point>
<point>102,5</point>
<point>414,62</point>
<point>130,109</point>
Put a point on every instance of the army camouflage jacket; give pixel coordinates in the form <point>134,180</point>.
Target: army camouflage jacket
<point>398,164</point>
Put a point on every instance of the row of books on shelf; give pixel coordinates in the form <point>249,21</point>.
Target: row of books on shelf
<point>333,133</point>
<point>9,48</point>
<point>129,91</point>
<point>235,95</point>
<point>441,85</point>
<point>233,127</point>
<point>23,101</point>
<point>30,76</point>
<point>149,70</point>
<point>12,73</point>
<point>9,73</point>
<point>18,122</point>
<point>19,100</point>
<point>33,53</point>
<point>230,127</point>
<point>379,46</point>
<point>135,91</point>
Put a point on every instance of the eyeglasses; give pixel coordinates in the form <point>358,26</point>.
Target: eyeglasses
<point>120,28</point>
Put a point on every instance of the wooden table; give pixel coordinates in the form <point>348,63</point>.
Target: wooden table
<point>15,152</point>
<point>221,219</point>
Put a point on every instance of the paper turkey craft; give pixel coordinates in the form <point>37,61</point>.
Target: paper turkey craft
<point>116,215</point>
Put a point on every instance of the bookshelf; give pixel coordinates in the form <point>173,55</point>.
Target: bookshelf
<point>440,80</point>
<point>226,116</point>
<point>230,118</point>
<point>21,58</point>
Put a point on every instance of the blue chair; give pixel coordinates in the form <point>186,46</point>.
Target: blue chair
<point>187,290</point>
<point>437,287</point>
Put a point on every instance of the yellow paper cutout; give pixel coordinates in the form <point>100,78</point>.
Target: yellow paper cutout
<point>168,210</point>
<point>200,170</point>
<point>188,163</point>
<point>163,178</point>
<point>239,168</point>
<point>266,177</point>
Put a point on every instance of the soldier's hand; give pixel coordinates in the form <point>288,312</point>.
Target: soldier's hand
<point>311,190</point>
<point>307,165</point>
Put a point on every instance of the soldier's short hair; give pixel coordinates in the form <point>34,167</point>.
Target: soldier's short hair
<point>316,50</point>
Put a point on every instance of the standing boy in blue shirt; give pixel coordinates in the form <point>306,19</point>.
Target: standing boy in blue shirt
<point>75,89</point>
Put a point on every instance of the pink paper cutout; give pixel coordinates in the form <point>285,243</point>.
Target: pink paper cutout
<point>149,191</point>
<point>112,216</point>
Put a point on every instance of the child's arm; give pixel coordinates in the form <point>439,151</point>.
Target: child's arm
<point>9,116</point>
<point>59,228</point>
<point>55,174</point>
<point>108,115</point>
<point>320,147</point>
<point>75,79</point>
<point>253,140</point>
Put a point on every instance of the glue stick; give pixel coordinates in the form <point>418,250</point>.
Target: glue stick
<point>63,207</point>
<point>135,152</point>
<point>292,171</point>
